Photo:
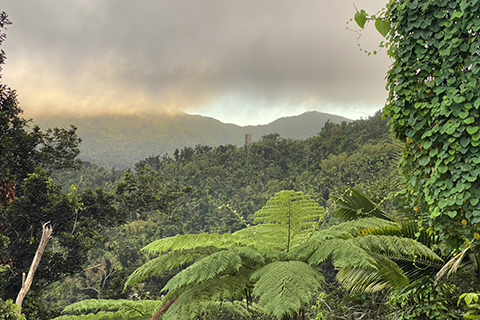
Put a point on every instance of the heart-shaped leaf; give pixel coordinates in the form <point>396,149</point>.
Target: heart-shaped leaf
<point>382,26</point>
<point>361,18</point>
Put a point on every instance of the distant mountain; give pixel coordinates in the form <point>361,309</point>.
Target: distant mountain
<point>121,141</point>
<point>303,126</point>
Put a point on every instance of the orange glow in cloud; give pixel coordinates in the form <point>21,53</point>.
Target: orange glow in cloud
<point>96,90</point>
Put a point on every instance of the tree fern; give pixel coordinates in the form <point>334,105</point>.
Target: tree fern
<point>190,242</point>
<point>163,263</point>
<point>415,260</point>
<point>110,309</point>
<point>217,264</point>
<point>387,275</point>
<point>225,288</point>
<point>398,248</point>
<point>276,259</point>
<point>362,226</point>
<point>288,219</point>
<point>283,287</point>
<point>209,309</point>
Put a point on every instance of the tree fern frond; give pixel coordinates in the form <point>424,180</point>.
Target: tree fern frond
<point>386,276</point>
<point>362,226</point>
<point>111,309</point>
<point>207,309</point>
<point>398,248</point>
<point>283,287</point>
<point>190,242</point>
<point>289,218</point>
<point>352,204</point>
<point>216,264</point>
<point>166,262</point>
<point>192,298</point>
<point>412,257</point>
<point>103,315</point>
<point>349,255</point>
<point>251,254</point>
<point>320,251</point>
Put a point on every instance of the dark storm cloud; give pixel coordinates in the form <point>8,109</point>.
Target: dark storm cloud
<point>182,54</point>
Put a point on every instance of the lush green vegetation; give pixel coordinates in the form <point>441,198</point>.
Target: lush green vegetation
<point>121,141</point>
<point>210,232</point>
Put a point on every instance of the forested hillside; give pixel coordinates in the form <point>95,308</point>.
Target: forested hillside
<point>349,154</point>
<point>348,224</point>
<point>121,141</point>
<point>217,190</point>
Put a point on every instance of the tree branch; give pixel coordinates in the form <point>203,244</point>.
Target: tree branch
<point>27,281</point>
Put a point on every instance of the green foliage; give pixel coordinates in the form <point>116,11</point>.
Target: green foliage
<point>288,219</point>
<point>110,309</point>
<point>275,260</point>
<point>471,300</point>
<point>361,18</point>
<point>87,176</point>
<point>284,285</point>
<point>434,108</point>
<point>234,310</point>
<point>353,205</point>
<point>10,311</point>
<point>425,299</point>
<point>28,198</point>
<point>223,265</point>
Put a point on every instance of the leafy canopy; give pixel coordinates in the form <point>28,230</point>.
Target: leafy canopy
<point>276,259</point>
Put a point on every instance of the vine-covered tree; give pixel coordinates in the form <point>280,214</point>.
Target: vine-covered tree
<point>434,107</point>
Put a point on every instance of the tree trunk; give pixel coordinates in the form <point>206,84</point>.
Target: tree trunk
<point>27,281</point>
<point>162,311</point>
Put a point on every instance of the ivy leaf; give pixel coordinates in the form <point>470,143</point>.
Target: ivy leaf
<point>472,129</point>
<point>382,26</point>
<point>361,18</point>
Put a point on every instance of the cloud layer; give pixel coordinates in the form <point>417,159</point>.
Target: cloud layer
<point>231,57</point>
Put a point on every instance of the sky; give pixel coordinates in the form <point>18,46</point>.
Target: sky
<point>246,62</point>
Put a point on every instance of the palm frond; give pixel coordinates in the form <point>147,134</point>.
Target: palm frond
<point>352,204</point>
<point>283,287</point>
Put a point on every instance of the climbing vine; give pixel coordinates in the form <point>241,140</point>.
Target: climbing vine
<point>434,107</point>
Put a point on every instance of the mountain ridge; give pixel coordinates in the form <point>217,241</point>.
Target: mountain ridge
<point>122,140</point>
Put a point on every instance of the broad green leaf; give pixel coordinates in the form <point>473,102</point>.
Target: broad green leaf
<point>361,18</point>
<point>383,26</point>
<point>472,129</point>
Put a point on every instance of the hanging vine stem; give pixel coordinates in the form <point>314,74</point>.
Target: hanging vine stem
<point>362,19</point>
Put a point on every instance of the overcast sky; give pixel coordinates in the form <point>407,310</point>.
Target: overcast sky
<point>240,61</point>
